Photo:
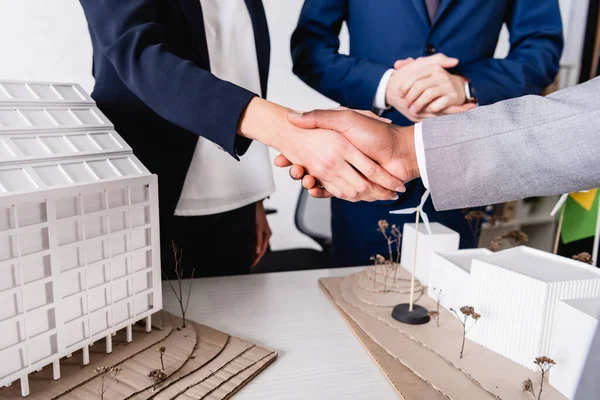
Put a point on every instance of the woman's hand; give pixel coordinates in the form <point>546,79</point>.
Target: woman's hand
<point>263,232</point>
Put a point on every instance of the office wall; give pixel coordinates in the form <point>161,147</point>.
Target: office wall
<point>48,40</point>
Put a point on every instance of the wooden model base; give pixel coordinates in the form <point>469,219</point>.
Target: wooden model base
<point>200,363</point>
<point>422,361</point>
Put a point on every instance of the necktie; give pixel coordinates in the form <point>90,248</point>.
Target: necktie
<point>432,8</point>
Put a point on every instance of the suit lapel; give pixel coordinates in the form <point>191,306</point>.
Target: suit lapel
<point>422,11</point>
<point>444,4</point>
<point>261,40</point>
<point>195,20</point>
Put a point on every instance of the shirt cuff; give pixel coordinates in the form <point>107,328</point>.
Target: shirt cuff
<point>379,104</point>
<point>420,150</point>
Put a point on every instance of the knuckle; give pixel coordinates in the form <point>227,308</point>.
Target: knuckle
<point>369,170</point>
<point>363,188</point>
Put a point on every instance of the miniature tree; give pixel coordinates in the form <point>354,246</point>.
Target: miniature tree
<point>436,314</point>
<point>512,238</point>
<point>157,376</point>
<point>584,257</point>
<point>393,238</point>
<point>161,351</point>
<point>179,273</point>
<point>544,363</point>
<point>467,312</point>
<point>475,219</point>
<point>104,373</point>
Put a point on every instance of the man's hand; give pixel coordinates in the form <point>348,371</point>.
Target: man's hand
<point>392,147</point>
<point>340,167</point>
<point>263,232</point>
<point>423,88</point>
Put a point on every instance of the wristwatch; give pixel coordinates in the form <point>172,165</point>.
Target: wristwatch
<point>470,95</point>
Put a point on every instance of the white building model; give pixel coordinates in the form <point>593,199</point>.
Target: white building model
<point>516,291</point>
<point>441,238</point>
<point>575,324</point>
<point>450,277</point>
<point>79,239</point>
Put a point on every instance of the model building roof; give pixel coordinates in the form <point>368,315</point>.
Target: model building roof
<point>463,258</point>
<point>590,307</point>
<point>541,265</point>
<point>53,135</point>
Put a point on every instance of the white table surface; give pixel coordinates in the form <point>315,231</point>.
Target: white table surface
<point>319,356</point>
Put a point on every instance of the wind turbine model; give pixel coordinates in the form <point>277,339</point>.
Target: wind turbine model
<point>410,313</point>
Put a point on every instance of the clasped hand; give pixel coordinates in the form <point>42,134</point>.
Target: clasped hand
<point>423,88</point>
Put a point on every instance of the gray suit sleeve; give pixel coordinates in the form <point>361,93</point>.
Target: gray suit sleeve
<point>529,146</point>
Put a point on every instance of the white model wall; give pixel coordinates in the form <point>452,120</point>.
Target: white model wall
<point>575,324</point>
<point>516,292</point>
<point>47,40</point>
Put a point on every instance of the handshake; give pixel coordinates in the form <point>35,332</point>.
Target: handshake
<point>352,155</point>
<point>355,155</point>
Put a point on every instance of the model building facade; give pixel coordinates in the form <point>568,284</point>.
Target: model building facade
<point>441,238</point>
<point>79,239</point>
<point>575,324</point>
<point>516,291</point>
<point>450,277</point>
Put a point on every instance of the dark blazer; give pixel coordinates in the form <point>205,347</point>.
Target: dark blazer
<point>153,81</point>
<point>384,31</point>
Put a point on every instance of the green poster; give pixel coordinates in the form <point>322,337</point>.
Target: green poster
<point>579,223</point>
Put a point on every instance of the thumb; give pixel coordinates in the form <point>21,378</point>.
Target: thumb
<point>459,109</point>
<point>281,161</point>
<point>334,120</point>
<point>401,63</point>
<point>449,62</point>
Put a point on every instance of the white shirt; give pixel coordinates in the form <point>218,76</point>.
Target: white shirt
<point>215,182</point>
<point>379,105</point>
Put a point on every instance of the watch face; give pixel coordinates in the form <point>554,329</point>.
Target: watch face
<point>472,94</point>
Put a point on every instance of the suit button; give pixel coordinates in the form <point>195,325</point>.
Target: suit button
<point>429,49</point>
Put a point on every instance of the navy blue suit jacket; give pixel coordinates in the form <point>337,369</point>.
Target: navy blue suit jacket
<point>384,31</point>
<point>153,81</point>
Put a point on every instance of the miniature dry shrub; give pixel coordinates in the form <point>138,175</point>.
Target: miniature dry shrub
<point>436,314</point>
<point>544,364</point>
<point>157,376</point>
<point>104,373</point>
<point>512,238</point>
<point>467,312</point>
<point>584,257</point>
<point>179,273</point>
<point>393,240</point>
<point>161,351</point>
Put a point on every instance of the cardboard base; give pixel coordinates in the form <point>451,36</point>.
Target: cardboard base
<point>200,362</point>
<point>431,353</point>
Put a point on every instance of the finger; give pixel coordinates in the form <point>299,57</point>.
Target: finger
<point>375,173</point>
<point>309,182</point>
<point>437,60</point>
<point>266,234</point>
<point>459,109</point>
<point>401,63</point>
<point>327,119</point>
<point>320,193</point>
<point>426,98</point>
<point>441,59</point>
<point>360,189</point>
<point>414,83</point>
<point>439,104</point>
<point>372,115</point>
<point>297,172</point>
<point>259,243</point>
<point>366,113</point>
<point>281,161</point>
